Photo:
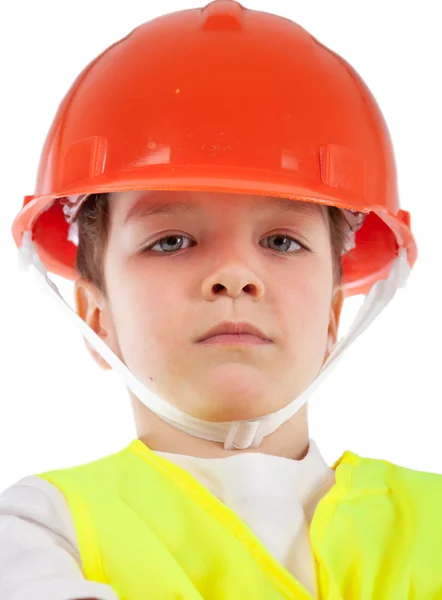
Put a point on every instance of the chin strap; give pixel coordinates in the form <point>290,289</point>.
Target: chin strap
<point>234,434</point>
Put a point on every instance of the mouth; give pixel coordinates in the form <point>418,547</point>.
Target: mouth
<point>232,339</point>
<point>231,333</point>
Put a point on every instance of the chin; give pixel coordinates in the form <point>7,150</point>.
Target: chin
<point>236,405</point>
<point>233,392</point>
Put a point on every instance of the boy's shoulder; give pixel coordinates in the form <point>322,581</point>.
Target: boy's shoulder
<point>99,473</point>
<point>357,473</point>
<point>101,465</point>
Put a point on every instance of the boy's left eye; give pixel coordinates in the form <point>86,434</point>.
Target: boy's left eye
<point>168,244</point>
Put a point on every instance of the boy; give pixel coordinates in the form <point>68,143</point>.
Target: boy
<point>203,183</point>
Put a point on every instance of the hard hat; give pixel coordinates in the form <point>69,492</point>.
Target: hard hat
<point>222,99</point>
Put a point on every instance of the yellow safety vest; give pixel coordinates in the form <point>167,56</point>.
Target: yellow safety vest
<point>150,530</point>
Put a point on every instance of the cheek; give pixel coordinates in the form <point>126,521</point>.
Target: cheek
<point>306,301</point>
<point>147,313</point>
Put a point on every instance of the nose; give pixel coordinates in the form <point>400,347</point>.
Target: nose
<point>233,281</point>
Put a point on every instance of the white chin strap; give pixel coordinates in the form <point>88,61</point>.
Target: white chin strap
<point>234,434</point>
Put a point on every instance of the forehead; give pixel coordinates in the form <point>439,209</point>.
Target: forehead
<point>134,206</point>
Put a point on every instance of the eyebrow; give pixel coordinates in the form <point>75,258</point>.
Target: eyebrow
<point>140,209</point>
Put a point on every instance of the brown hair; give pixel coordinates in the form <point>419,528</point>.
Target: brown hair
<point>93,223</point>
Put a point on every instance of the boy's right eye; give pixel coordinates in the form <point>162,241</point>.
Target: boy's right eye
<point>167,244</point>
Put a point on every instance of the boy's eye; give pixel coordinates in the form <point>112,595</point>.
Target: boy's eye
<point>284,242</point>
<point>279,242</point>
<point>168,244</point>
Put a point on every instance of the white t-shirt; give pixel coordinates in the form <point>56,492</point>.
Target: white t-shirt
<point>39,556</point>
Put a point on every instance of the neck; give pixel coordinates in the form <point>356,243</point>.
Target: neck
<point>291,440</point>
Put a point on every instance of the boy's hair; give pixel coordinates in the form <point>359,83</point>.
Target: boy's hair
<point>93,221</point>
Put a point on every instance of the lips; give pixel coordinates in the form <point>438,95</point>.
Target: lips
<point>232,328</point>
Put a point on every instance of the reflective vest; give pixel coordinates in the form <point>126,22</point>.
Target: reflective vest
<point>150,530</point>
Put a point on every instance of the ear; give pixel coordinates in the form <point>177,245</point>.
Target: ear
<point>335,316</point>
<point>91,306</point>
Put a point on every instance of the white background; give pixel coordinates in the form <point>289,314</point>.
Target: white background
<point>384,399</point>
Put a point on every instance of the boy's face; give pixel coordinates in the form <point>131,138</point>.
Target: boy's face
<point>225,267</point>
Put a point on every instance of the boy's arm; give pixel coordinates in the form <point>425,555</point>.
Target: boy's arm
<point>39,558</point>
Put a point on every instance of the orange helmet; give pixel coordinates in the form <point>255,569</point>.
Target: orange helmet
<point>222,99</point>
